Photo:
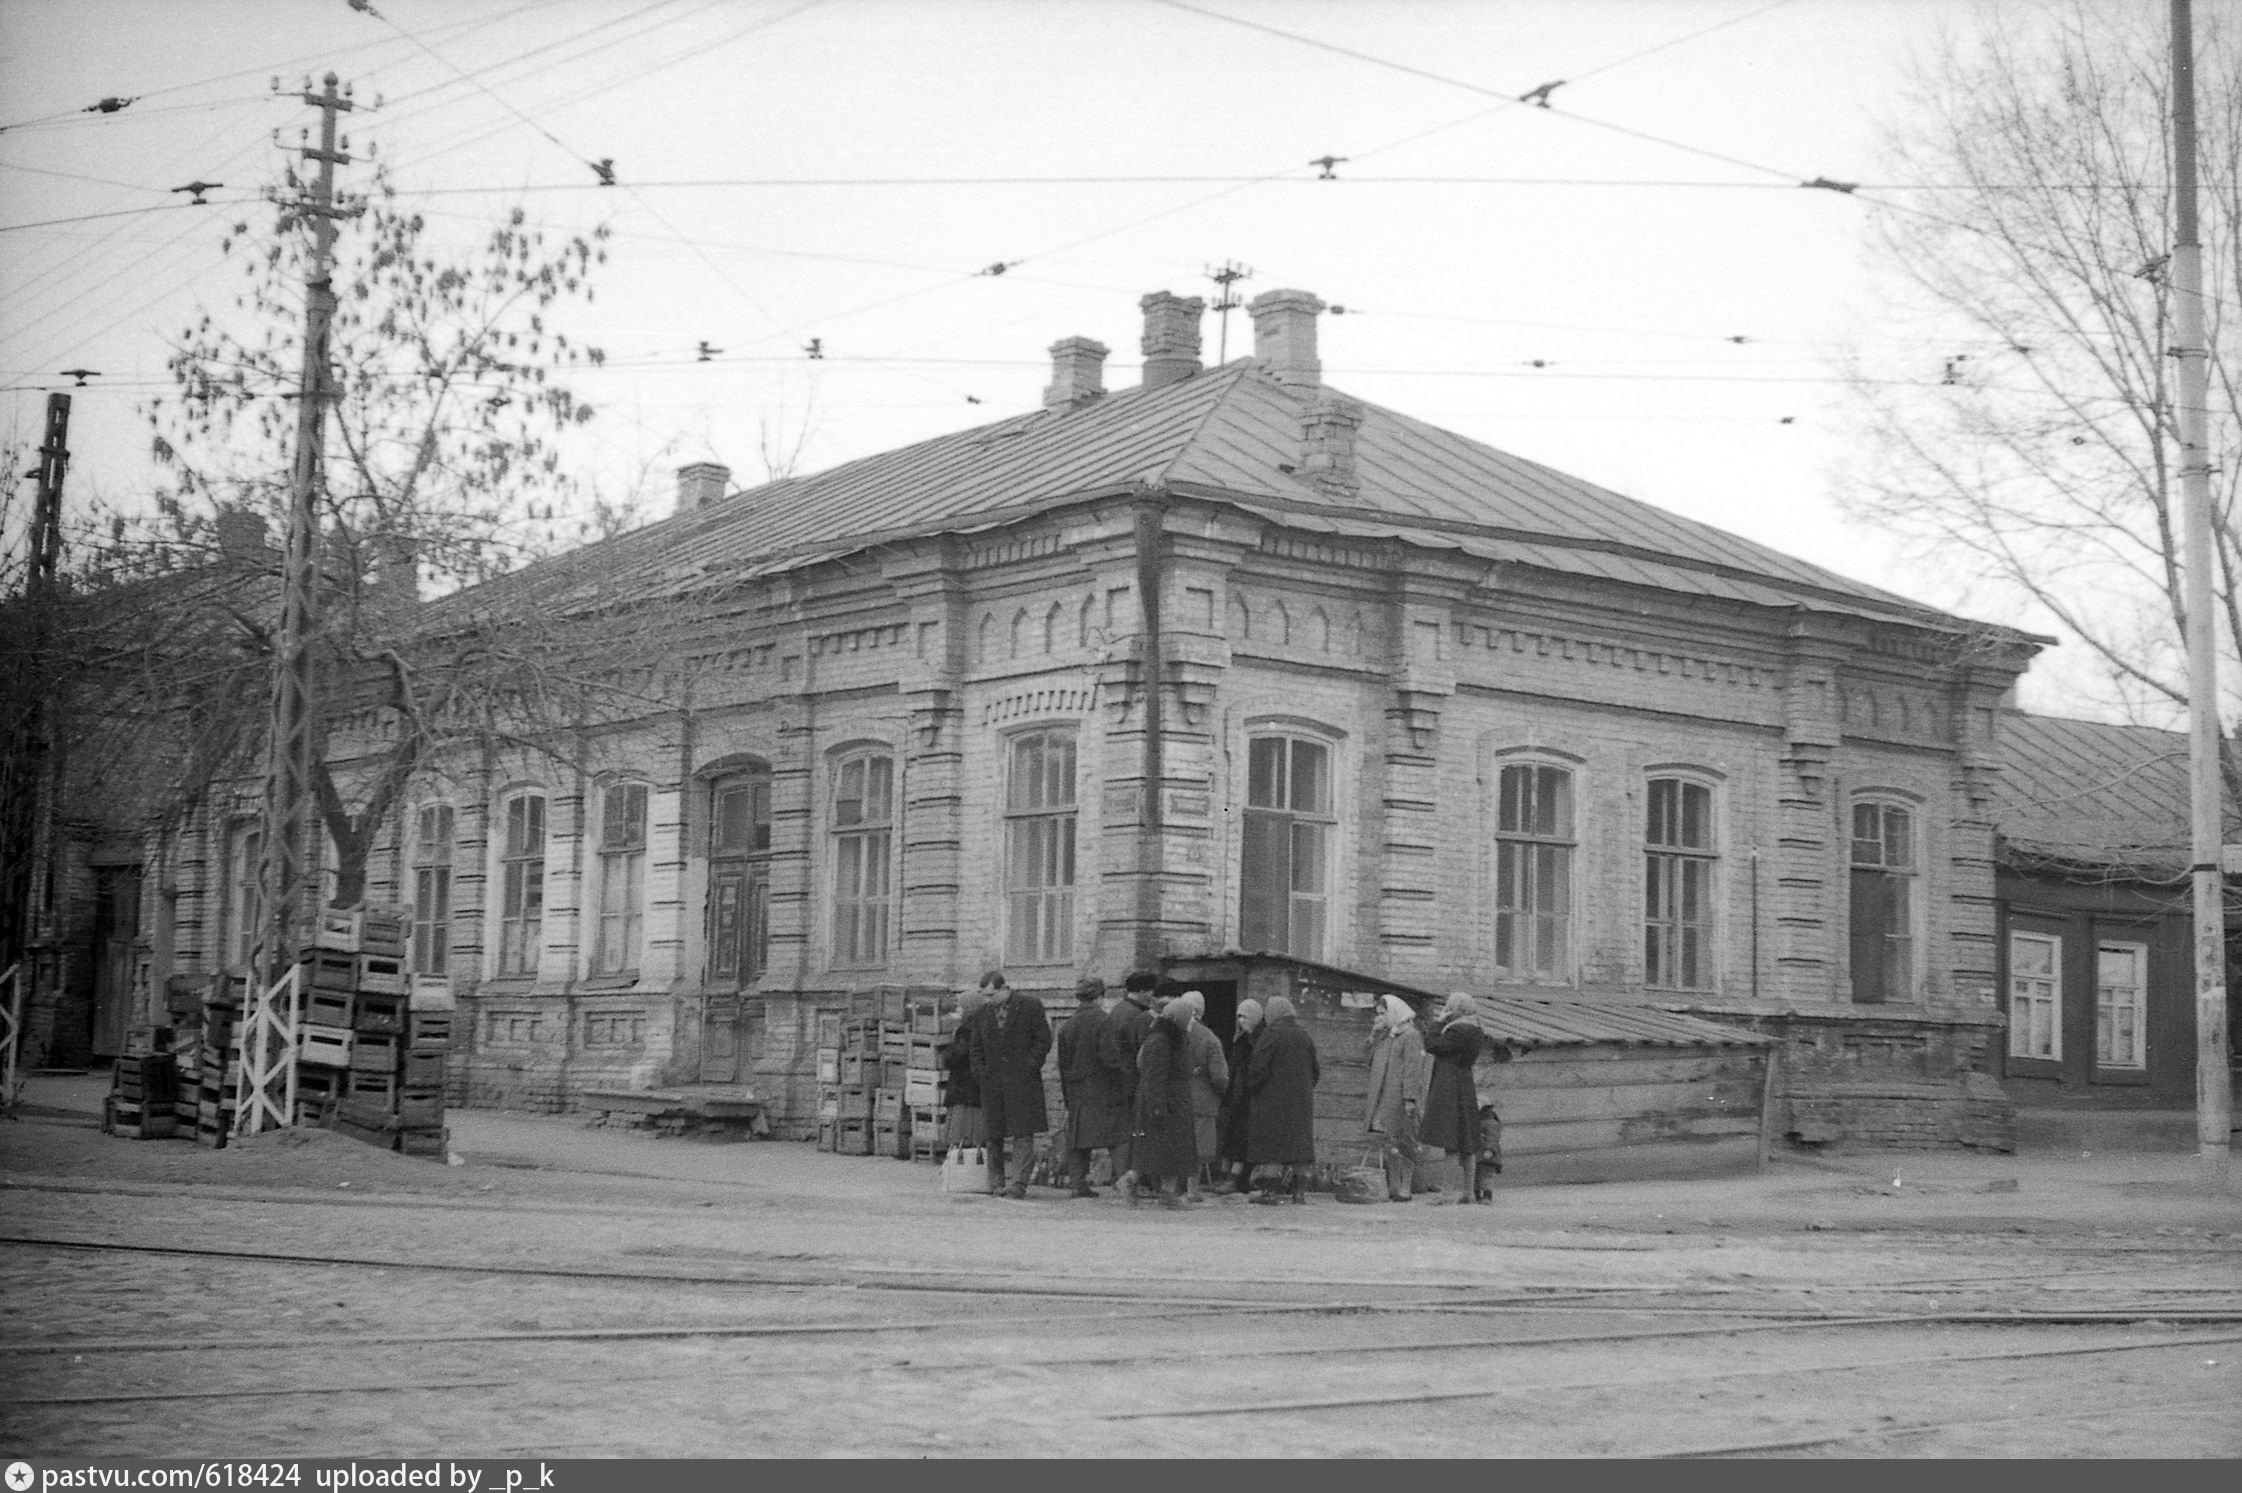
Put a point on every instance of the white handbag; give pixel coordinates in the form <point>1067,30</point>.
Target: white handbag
<point>966,1169</point>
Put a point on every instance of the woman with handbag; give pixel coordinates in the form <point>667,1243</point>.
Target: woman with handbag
<point>1399,1071</point>
<point>1451,1112</point>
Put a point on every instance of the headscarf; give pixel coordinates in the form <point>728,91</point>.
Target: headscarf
<point>1461,1007</point>
<point>1249,1015</point>
<point>970,1001</point>
<point>1195,1001</point>
<point>1280,1009</point>
<point>1394,1012</point>
<point>1178,1012</point>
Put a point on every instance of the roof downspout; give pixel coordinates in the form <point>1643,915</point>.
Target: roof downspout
<point>1151,546</point>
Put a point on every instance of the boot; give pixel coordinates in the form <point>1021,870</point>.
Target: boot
<point>1299,1187</point>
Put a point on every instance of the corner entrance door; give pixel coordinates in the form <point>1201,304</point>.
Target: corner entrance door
<point>116,921</point>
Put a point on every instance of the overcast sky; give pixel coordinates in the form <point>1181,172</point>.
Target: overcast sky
<point>1630,285</point>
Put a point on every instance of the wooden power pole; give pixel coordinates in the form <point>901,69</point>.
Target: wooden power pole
<point>291,858</point>
<point>2214,1097</point>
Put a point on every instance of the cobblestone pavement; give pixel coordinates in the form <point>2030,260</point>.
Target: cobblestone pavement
<point>573,1291</point>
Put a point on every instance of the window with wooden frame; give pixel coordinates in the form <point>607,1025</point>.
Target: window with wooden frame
<point>244,894</point>
<point>521,883</point>
<point>622,878</point>
<point>1882,903</point>
<point>1678,863</point>
<point>863,832</point>
<point>739,877</point>
<point>1534,870</point>
<point>2121,1005</point>
<point>1284,863</point>
<point>1039,825</point>
<point>432,889</point>
<point>2035,996</point>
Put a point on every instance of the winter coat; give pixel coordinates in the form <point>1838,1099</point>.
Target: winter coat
<point>1282,1079</point>
<point>1450,1119</point>
<point>957,1060</point>
<point>1092,1080</point>
<point>1210,1071</point>
<point>1237,1099</point>
<point>1132,1023</point>
<point>1013,1041</point>
<point>1399,1071</point>
<point>1165,1144</point>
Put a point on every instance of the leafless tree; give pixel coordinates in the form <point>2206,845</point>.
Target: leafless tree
<point>2038,456</point>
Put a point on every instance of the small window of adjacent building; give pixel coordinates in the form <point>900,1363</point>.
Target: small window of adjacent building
<point>1039,824</point>
<point>739,878</point>
<point>244,894</point>
<point>1678,885</point>
<point>2035,996</point>
<point>432,889</point>
<point>863,843</point>
<point>622,878</point>
<point>1284,862</point>
<point>1883,903</point>
<point>1534,870</point>
<point>2121,1005</point>
<point>521,904</point>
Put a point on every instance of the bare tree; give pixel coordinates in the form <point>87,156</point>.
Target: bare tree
<point>2039,458</point>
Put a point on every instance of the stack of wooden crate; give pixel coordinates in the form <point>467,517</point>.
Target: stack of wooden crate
<point>379,1064</point>
<point>143,1102</point>
<point>218,1069</point>
<point>881,1088</point>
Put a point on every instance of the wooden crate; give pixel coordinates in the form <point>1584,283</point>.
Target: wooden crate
<point>860,1037</point>
<point>429,1026</point>
<point>888,1107</point>
<point>828,1065</point>
<point>379,1013</point>
<point>420,1107</point>
<point>375,1052</point>
<point>329,1007</point>
<point>432,1141</point>
<point>829,1029</point>
<point>922,1086</point>
<point>828,1135</point>
<point>324,1047</point>
<point>378,1087</point>
<point>895,1041</point>
<point>382,974</point>
<point>423,1068</point>
<point>854,1067</point>
<point>854,1138</point>
<point>892,1140</point>
<point>326,970</point>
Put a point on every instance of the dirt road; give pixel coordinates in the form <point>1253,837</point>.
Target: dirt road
<point>580,1292</point>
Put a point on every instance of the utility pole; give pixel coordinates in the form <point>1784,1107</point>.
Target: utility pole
<point>2214,1097</point>
<point>290,850</point>
<point>1225,302</point>
<point>28,853</point>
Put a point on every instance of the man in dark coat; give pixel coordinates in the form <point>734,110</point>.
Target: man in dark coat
<point>1013,1039</point>
<point>1132,1023</point>
<point>1282,1075</point>
<point>1094,1084</point>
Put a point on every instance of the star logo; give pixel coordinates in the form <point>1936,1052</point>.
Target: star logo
<point>19,1476</point>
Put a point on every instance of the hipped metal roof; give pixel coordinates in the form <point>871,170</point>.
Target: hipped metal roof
<point>1231,434</point>
<point>2093,794</point>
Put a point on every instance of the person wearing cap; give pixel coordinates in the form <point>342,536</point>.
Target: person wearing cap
<point>1210,1076</point>
<point>1164,1147</point>
<point>1399,1071</point>
<point>1092,1082</point>
<point>1281,1130</point>
<point>1132,1023</point>
<point>1451,1113</point>
<point>1008,1054</point>
<point>1237,1102</point>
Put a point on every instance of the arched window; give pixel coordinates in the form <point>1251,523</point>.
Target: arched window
<point>432,889</point>
<point>1883,902</point>
<point>1534,870</point>
<point>863,852</point>
<point>1285,861</point>
<point>739,877</point>
<point>521,891</point>
<point>1678,885</point>
<point>622,878</point>
<point>1039,815</point>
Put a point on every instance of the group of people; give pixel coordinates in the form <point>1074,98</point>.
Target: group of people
<point>1146,1081</point>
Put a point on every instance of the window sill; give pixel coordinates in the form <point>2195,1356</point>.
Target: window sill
<point>2122,1077</point>
<point>597,983</point>
<point>2035,1067</point>
<point>507,985</point>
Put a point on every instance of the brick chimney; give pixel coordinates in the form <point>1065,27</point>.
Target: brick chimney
<point>241,536</point>
<point>1077,372</point>
<point>701,484</point>
<point>1284,336</point>
<point>1171,337</point>
<point>1327,457</point>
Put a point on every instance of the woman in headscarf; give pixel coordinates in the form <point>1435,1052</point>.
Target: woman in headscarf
<point>1164,1146</point>
<point>1398,1074</point>
<point>1451,1114</point>
<point>1237,1100</point>
<point>963,1126</point>
<point>1281,1130</point>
